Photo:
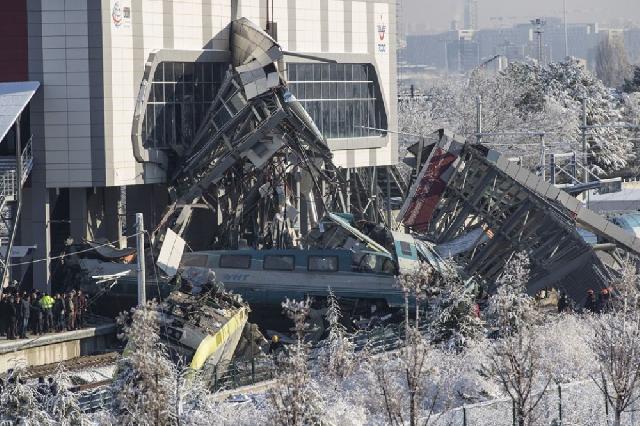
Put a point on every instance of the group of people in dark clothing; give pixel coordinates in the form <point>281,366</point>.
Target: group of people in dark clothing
<point>40,313</point>
<point>596,305</point>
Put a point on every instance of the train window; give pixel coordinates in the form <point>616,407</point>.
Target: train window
<point>235,261</point>
<point>323,263</point>
<point>405,248</point>
<point>279,263</point>
<point>198,260</point>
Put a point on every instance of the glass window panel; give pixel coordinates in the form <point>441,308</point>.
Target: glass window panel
<point>307,72</point>
<point>364,94</point>
<point>339,72</point>
<point>158,131</point>
<point>237,102</point>
<point>158,90</point>
<point>357,118</point>
<point>371,113</point>
<point>355,90</point>
<point>348,72</point>
<point>324,90</point>
<point>342,118</point>
<point>197,93</point>
<point>187,123</point>
<point>323,263</point>
<point>371,91</point>
<point>348,119</point>
<point>188,71</point>
<point>317,72</point>
<point>152,93</point>
<point>169,92</point>
<point>169,124</point>
<point>198,115</point>
<point>158,75</point>
<point>333,90</point>
<point>178,71</point>
<point>188,92</point>
<point>168,72</point>
<point>221,117</point>
<point>178,124</point>
<point>334,118</point>
<point>324,76</point>
<point>219,71</point>
<point>279,263</point>
<point>333,72</point>
<point>341,91</point>
<point>207,92</point>
<point>326,119</point>
<point>207,72</point>
<point>179,94</point>
<point>291,72</point>
<point>198,260</point>
<point>200,73</point>
<point>317,91</point>
<point>235,261</point>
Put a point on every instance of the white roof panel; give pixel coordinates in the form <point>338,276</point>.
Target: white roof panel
<point>14,97</point>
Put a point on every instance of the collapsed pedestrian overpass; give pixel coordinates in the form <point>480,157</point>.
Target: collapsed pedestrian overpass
<point>480,208</point>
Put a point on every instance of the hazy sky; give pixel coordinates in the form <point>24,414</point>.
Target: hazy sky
<point>436,15</point>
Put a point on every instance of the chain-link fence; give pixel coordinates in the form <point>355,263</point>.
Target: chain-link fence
<point>578,403</point>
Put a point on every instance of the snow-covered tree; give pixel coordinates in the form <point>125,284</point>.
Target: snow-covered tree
<point>63,405</point>
<point>527,98</point>
<point>336,356</point>
<point>515,358</point>
<point>632,84</point>
<point>145,379</point>
<point>616,344</point>
<point>511,309</point>
<point>294,399</point>
<point>19,403</point>
<point>452,317</point>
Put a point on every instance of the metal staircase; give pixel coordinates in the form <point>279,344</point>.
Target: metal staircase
<point>13,176</point>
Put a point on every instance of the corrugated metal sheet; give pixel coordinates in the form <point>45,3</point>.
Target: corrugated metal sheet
<point>14,97</point>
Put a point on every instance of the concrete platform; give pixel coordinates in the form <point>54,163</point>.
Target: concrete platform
<point>55,347</point>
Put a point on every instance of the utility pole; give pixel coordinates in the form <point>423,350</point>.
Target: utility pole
<point>142,291</point>
<point>542,157</point>
<point>389,197</point>
<point>566,29</point>
<point>585,156</point>
<point>479,119</point>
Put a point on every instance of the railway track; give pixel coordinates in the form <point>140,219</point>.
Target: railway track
<point>75,364</point>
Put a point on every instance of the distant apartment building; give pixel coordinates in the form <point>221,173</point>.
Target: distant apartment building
<point>464,50</point>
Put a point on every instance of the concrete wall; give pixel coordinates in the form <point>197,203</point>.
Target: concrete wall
<point>55,348</point>
<point>91,54</point>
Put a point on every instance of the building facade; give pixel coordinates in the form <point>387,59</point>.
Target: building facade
<point>91,57</point>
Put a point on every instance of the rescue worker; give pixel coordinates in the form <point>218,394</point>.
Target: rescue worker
<point>19,316</point>
<point>46,303</point>
<point>591,304</point>
<point>563,303</point>
<point>603,300</point>
<point>36,314</point>
<point>12,314</point>
<point>70,311</point>
<point>275,348</point>
<point>81,309</point>
<point>25,311</point>
<point>4,314</point>
<point>58,312</point>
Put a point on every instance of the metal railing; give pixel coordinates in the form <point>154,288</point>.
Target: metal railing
<point>576,403</point>
<point>27,160</point>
